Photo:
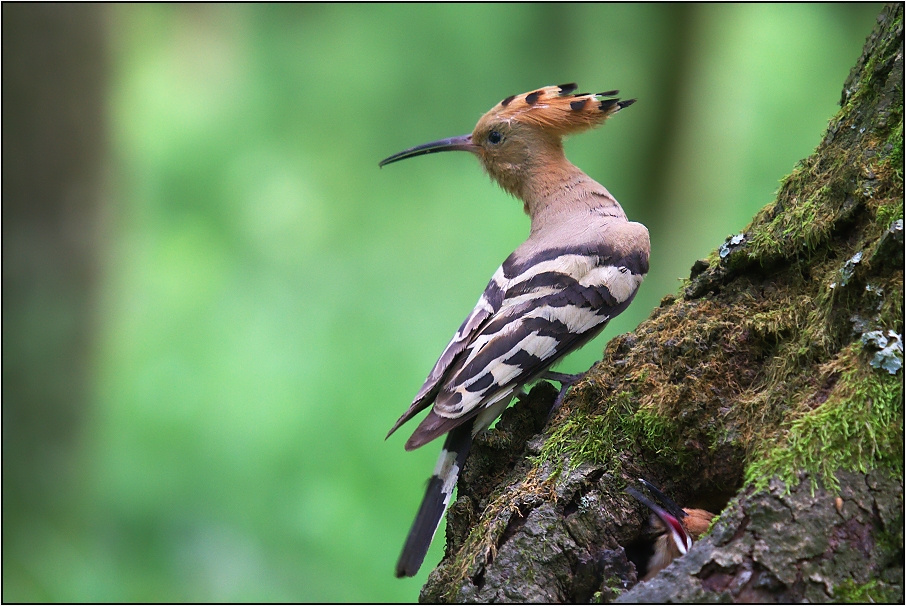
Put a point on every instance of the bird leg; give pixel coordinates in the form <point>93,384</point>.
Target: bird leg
<point>566,381</point>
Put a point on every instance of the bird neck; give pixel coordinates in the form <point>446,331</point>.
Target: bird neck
<point>560,190</point>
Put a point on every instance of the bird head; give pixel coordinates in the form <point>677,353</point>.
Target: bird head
<point>682,524</point>
<point>672,521</point>
<point>522,135</point>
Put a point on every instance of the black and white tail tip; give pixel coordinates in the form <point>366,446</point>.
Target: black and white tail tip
<point>437,497</point>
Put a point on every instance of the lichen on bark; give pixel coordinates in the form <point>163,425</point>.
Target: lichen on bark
<point>752,393</point>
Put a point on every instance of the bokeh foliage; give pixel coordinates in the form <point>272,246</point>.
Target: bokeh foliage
<point>270,300</point>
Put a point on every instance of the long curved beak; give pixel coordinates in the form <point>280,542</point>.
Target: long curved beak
<point>463,143</point>
<point>673,525</point>
<point>669,504</point>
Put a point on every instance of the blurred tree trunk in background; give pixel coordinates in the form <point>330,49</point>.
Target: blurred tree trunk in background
<point>667,112</point>
<point>54,78</point>
<point>769,391</point>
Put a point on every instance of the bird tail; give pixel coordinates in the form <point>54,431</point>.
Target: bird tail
<point>437,496</point>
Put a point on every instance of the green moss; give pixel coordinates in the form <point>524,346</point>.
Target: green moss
<point>890,212</point>
<point>874,592</point>
<point>857,428</point>
<point>809,205</point>
<point>600,437</point>
<point>586,438</point>
<point>658,431</point>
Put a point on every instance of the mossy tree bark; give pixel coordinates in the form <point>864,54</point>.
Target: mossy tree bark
<point>770,390</point>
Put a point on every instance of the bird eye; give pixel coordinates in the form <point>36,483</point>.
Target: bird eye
<point>495,137</point>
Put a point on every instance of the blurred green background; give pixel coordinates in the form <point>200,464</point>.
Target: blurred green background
<point>215,304</point>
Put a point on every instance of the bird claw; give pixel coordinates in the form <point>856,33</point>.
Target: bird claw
<point>566,381</point>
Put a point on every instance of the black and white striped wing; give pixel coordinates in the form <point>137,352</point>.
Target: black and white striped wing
<point>550,307</point>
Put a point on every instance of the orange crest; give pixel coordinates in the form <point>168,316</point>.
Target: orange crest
<point>555,109</point>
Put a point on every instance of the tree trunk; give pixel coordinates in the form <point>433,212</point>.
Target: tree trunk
<point>770,390</point>
<point>54,140</point>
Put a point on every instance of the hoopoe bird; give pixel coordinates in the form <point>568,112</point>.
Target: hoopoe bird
<point>581,265</point>
<point>678,528</point>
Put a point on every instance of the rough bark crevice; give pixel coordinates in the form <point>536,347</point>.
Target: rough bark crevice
<point>770,390</point>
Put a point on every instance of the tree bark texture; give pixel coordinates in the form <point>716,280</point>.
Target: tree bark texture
<point>770,390</point>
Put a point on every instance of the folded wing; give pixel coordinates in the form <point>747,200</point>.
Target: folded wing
<point>532,314</point>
